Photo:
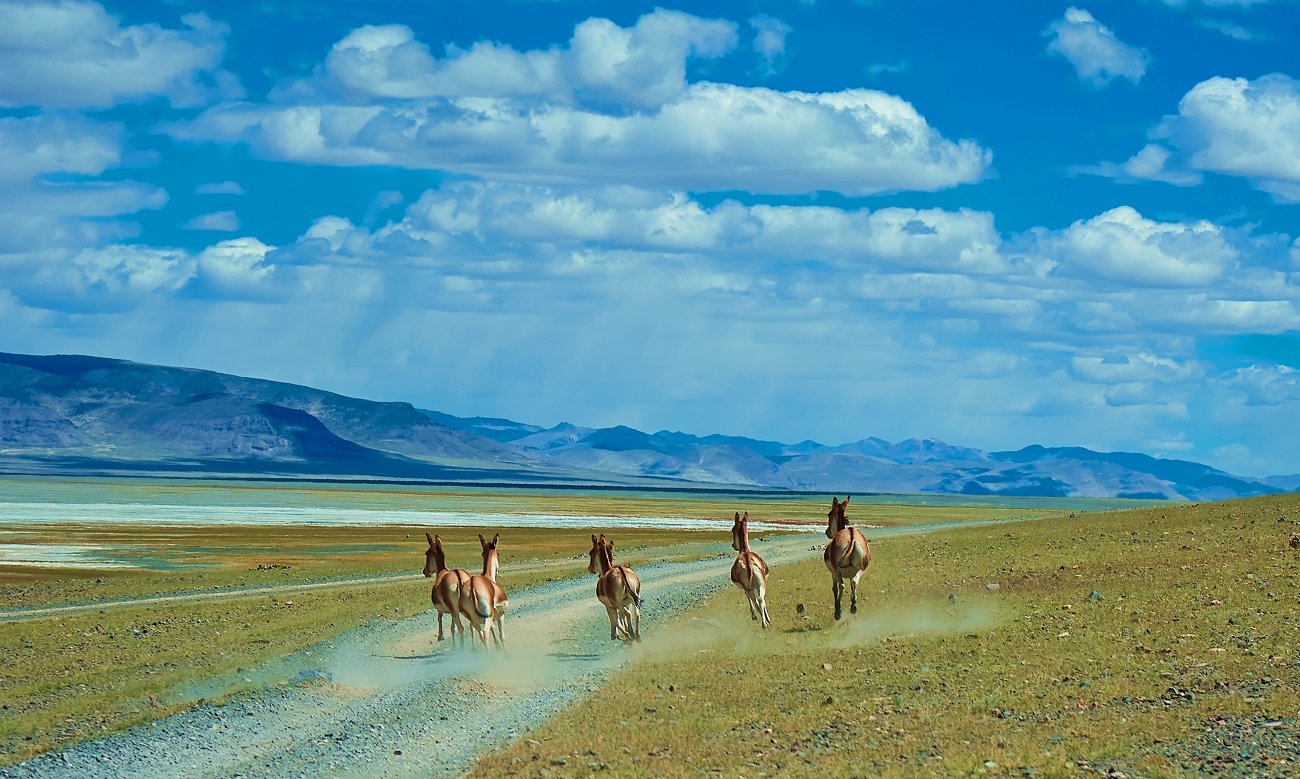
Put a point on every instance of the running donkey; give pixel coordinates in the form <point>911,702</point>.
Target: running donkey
<point>618,589</point>
<point>749,572</point>
<point>847,555</point>
<point>483,600</point>
<point>447,587</point>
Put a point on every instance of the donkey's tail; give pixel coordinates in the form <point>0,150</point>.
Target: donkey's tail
<point>482,602</point>
<point>636,597</point>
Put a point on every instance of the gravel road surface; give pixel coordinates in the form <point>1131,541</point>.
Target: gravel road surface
<point>385,700</point>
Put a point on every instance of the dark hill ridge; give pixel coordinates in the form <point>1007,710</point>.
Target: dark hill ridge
<point>98,408</point>
<point>78,414</point>
<point>1196,475</point>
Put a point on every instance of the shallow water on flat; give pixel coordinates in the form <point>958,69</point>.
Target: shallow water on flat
<point>170,514</point>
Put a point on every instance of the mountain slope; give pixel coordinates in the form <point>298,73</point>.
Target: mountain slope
<point>69,413</point>
<point>97,407</point>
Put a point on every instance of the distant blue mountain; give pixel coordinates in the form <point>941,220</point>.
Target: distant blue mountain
<point>877,465</point>
<point>502,430</point>
<point>1198,477</point>
<point>80,414</point>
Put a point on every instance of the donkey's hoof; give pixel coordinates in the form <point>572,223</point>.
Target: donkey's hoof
<point>853,609</point>
<point>837,614</point>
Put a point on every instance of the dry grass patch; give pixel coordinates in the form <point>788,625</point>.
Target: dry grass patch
<point>1194,623</point>
<point>72,677</point>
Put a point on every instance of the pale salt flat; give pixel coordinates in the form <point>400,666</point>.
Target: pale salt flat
<point>163,514</point>
<point>59,556</point>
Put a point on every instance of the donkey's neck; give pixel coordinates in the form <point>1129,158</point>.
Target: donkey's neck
<point>439,561</point>
<point>490,565</point>
<point>605,558</point>
<point>743,537</point>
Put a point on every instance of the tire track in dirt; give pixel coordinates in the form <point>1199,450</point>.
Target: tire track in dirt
<point>399,705</point>
<point>26,613</point>
<point>396,704</point>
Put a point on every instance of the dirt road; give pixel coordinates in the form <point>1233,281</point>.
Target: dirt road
<point>386,700</point>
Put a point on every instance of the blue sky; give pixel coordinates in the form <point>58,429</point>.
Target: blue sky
<point>993,224</point>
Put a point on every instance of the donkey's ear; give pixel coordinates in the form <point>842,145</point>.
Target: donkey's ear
<point>482,540</point>
<point>737,516</point>
<point>496,539</point>
<point>746,516</point>
<point>835,502</point>
<point>593,539</point>
<point>602,536</point>
<point>846,501</point>
<point>426,535</point>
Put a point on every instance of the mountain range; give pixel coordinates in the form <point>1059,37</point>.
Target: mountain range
<point>75,414</point>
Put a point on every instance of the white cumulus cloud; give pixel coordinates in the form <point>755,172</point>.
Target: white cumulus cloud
<point>57,143</point>
<point>76,55</point>
<point>642,66</point>
<point>1265,385</point>
<point>40,209</point>
<point>1124,246</point>
<point>1133,368</point>
<point>1241,128</point>
<point>623,115</point>
<point>1097,55</point>
<point>963,240</point>
<point>235,264</point>
<point>1151,163</point>
<point>138,269</point>
<point>714,137</point>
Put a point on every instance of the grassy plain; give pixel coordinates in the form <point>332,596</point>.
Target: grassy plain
<point>77,675</point>
<point>1186,661</point>
<point>776,507</point>
<point>85,674</point>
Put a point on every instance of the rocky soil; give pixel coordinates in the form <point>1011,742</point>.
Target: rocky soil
<point>387,700</point>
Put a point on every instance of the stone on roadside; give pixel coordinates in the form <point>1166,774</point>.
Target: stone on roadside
<point>1095,596</point>
<point>991,586</point>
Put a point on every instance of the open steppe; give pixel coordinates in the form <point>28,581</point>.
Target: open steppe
<point>1151,642</point>
<point>1018,639</point>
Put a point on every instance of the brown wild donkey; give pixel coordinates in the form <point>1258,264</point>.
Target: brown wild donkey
<point>749,572</point>
<point>618,589</point>
<point>447,586</point>
<point>483,601</point>
<point>847,555</point>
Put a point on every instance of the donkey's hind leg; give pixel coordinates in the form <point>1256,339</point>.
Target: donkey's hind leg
<point>853,609</point>
<point>837,587</point>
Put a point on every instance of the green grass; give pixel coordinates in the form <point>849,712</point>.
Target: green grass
<point>794,507</point>
<point>1197,618</point>
<point>73,677</point>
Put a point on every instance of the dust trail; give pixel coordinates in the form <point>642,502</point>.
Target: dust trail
<point>400,705</point>
<point>918,619</point>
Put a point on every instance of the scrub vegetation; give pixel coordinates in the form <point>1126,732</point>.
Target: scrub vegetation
<point>96,671</point>
<point>717,505</point>
<point>1153,642</point>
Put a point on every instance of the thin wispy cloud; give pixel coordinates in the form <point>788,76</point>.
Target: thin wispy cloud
<point>1098,56</point>
<point>223,221</point>
<point>769,40</point>
<point>220,188</point>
